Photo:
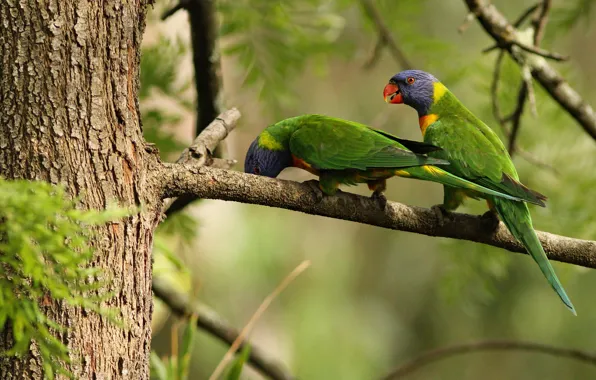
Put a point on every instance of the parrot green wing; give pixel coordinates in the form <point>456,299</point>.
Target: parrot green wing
<point>477,154</point>
<point>328,143</point>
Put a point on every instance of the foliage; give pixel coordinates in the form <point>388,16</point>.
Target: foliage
<point>45,255</point>
<point>176,367</point>
<point>236,368</point>
<point>569,15</point>
<point>275,49</point>
<point>168,267</point>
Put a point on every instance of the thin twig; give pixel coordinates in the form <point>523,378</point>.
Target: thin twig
<point>466,23</point>
<point>170,12</point>
<point>375,54</point>
<point>529,49</point>
<point>433,356</point>
<point>494,89</point>
<point>527,78</point>
<point>522,96</point>
<point>541,52</point>
<point>384,33</point>
<point>215,325</point>
<point>264,305</point>
<point>540,21</point>
<point>527,13</point>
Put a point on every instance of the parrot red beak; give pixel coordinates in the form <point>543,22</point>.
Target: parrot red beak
<point>392,95</point>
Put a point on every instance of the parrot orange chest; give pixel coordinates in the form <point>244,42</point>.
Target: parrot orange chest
<point>300,163</point>
<point>426,120</point>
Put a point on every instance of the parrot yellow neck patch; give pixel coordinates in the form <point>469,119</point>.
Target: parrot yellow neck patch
<point>425,121</point>
<point>439,91</point>
<point>267,141</point>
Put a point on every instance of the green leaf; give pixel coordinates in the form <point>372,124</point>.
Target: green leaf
<point>236,367</point>
<point>186,347</point>
<point>158,369</point>
<point>273,50</point>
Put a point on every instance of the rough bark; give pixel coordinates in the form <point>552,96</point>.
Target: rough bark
<point>69,115</point>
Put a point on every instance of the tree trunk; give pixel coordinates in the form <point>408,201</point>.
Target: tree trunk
<point>69,115</point>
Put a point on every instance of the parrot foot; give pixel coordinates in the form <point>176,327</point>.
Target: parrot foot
<point>316,189</point>
<point>380,198</point>
<point>492,219</point>
<point>441,214</point>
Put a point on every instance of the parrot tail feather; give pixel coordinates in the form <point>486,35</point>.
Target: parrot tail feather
<point>523,191</point>
<point>435,174</point>
<point>516,217</point>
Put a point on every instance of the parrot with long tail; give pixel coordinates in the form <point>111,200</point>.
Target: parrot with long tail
<point>476,154</point>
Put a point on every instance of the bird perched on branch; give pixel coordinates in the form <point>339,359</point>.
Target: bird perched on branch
<point>476,154</point>
<point>344,152</point>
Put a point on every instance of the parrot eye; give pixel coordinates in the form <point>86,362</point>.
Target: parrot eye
<point>411,80</point>
<point>256,170</point>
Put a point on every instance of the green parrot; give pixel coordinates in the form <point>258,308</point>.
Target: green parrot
<point>344,152</point>
<point>476,154</point>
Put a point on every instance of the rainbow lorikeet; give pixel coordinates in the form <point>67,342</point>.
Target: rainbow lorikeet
<point>475,153</point>
<point>344,152</point>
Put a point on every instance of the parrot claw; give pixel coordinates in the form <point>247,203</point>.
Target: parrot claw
<point>316,189</point>
<point>441,214</point>
<point>492,219</point>
<point>380,198</point>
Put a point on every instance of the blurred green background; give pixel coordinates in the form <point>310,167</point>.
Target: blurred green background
<point>373,298</point>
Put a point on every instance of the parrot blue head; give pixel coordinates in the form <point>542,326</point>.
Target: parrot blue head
<point>262,161</point>
<point>415,88</point>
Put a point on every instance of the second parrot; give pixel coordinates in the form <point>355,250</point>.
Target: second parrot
<point>477,154</point>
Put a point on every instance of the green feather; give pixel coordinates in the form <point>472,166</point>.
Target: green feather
<point>333,144</point>
<point>477,154</point>
<point>516,217</point>
<point>479,159</point>
<point>346,152</point>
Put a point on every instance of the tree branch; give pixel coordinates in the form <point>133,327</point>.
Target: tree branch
<point>499,28</point>
<point>206,142</point>
<point>385,37</point>
<point>210,183</point>
<point>430,357</point>
<point>540,21</point>
<point>212,323</point>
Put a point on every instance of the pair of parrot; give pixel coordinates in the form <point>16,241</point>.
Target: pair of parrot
<point>459,151</point>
